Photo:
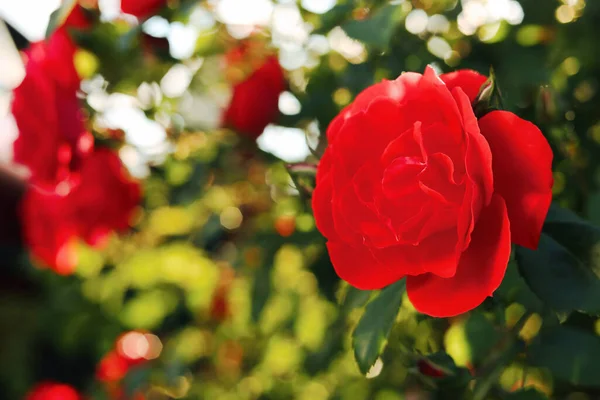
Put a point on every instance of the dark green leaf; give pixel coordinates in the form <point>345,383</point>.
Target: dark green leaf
<point>593,208</point>
<point>481,336</point>
<point>570,354</point>
<point>371,333</point>
<point>355,298</point>
<point>526,394</point>
<point>563,271</point>
<point>514,290</point>
<point>377,30</point>
<point>58,17</point>
<point>261,290</point>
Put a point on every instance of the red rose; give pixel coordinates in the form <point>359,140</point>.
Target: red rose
<point>94,202</point>
<point>412,184</point>
<point>255,100</point>
<point>52,136</point>
<point>112,368</point>
<point>142,8</point>
<point>116,364</point>
<point>105,198</point>
<point>47,229</point>
<point>52,391</point>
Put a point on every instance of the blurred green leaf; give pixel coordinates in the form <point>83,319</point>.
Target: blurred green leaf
<point>58,17</point>
<point>261,290</point>
<point>334,17</point>
<point>593,208</point>
<point>377,30</point>
<point>563,271</point>
<point>481,336</point>
<point>570,354</point>
<point>526,394</point>
<point>371,333</point>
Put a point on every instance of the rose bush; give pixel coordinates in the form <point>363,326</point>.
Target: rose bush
<point>413,185</point>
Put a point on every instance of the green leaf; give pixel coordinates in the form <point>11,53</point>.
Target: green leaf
<point>261,290</point>
<point>570,354</point>
<point>481,336</point>
<point>370,335</point>
<point>375,31</point>
<point>334,17</point>
<point>564,270</point>
<point>526,394</point>
<point>593,208</point>
<point>514,289</point>
<point>59,16</point>
<point>355,298</point>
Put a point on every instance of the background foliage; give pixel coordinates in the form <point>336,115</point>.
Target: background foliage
<point>225,266</point>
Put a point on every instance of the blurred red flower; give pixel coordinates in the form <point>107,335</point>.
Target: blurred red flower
<point>52,391</point>
<point>105,198</point>
<point>99,199</point>
<point>113,367</point>
<point>255,100</point>
<point>142,8</point>
<point>52,136</point>
<point>47,229</point>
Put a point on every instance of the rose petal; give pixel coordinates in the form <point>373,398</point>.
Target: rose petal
<point>522,164</point>
<point>405,145</point>
<point>479,273</point>
<point>322,203</point>
<point>396,90</point>
<point>436,254</point>
<point>478,165</point>
<point>468,80</point>
<point>478,154</point>
<point>356,265</point>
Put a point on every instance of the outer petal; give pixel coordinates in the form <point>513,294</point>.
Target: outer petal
<point>522,165</point>
<point>356,265</point>
<point>468,80</point>
<point>480,269</point>
<point>437,254</point>
<point>396,90</point>
<point>321,204</point>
